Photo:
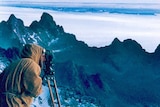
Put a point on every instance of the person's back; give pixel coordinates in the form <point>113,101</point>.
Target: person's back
<point>21,79</point>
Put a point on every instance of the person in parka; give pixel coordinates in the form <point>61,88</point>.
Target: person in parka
<point>21,80</point>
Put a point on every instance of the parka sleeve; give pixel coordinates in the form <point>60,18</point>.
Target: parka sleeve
<point>32,80</point>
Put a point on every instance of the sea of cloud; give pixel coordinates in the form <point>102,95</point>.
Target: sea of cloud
<point>97,29</point>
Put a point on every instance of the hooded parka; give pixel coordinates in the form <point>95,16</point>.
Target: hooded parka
<point>21,79</point>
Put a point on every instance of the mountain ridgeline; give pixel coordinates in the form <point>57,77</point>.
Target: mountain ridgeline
<point>122,74</point>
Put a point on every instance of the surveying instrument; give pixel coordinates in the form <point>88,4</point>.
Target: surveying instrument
<point>50,77</point>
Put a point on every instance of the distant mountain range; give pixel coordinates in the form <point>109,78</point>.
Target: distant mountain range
<point>119,75</point>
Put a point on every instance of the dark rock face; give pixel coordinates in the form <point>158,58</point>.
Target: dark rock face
<point>121,74</point>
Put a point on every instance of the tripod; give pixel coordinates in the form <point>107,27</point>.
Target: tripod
<point>49,75</point>
<point>49,78</point>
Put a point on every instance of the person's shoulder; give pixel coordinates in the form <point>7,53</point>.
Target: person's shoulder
<point>29,61</point>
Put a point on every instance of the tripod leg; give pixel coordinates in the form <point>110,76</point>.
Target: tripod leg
<point>55,85</point>
<point>50,90</point>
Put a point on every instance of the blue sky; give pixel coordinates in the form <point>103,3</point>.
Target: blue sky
<point>105,1</point>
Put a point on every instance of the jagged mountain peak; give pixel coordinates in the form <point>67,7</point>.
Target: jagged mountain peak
<point>14,21</point>
<point>47,24</point>
<point>47,20</point>
<point>131,44</point>
<point>12,17</point>
<point>126,45</point>
<point>46,16</point>
<point>116,41</point>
